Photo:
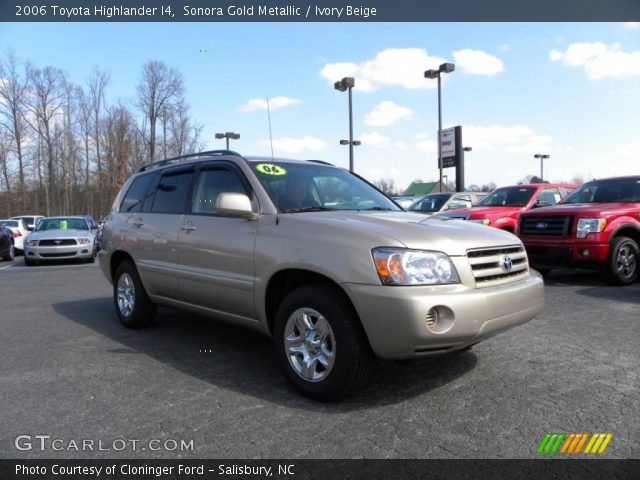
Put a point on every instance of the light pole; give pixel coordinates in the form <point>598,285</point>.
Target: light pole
<point>347,83</point>
<point>541,157</point>
<point>446,179</point>
<point>444,68</point>
<point>228,135</point>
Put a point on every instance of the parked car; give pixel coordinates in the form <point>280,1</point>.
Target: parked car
<point>405,201</point>
<point>441,202</point>
<point>7,250</point>
<point>19,231</point>
<point>93,226</point>
<point>597,226</point>
<point>60,238</point>
<point>501,207</point>
<point>31,221</point>
<point>254,242</point>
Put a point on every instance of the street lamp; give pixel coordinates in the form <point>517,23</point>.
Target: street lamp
<point>541,157</point>
<point>347,83</point>
<point>228,135</point>
<point>444,68</point>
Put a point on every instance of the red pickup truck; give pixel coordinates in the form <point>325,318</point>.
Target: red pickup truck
<point>501,207</point>
<point>597,226</point>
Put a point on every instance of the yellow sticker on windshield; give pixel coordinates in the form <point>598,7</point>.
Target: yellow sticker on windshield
<point>271,169</point>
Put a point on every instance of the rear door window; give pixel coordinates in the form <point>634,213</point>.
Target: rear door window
<point>172,192</point>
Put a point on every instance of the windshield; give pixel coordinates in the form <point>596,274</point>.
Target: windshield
<point>507,197</point>
<point>607,191</point>
<point>62,224</point>
<point>430,203</point>
<point>298,187</point>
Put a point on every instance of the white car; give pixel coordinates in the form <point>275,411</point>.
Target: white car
<point>19,230</point>
<point>31,221</point>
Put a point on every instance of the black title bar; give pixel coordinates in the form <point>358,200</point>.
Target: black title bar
<point>319,11</point>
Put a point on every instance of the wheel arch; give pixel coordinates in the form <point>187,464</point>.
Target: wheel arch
<point>626,230</point>
<point>284,281</point>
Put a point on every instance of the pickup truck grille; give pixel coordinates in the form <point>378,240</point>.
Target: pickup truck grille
<point>498,265</point>
<point>550,226</point>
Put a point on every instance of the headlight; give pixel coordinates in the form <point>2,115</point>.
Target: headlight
<point>483,221</point>
<point>32,243</point>
<point>397,266</point>
<point>84,241</point>
<point>590,225</point>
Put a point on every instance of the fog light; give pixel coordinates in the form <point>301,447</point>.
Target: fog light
<point>432,318</point>
<point>584,252</point>
<point>439,319</point>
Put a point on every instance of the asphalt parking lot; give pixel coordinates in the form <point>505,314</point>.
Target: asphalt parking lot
<point>68,369</point>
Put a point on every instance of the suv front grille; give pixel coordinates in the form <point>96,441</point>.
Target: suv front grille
<point>498,265</point>
<point>550,226</point>
<point>57,243</point>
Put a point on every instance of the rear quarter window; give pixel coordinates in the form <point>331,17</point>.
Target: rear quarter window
<point>135,196</point>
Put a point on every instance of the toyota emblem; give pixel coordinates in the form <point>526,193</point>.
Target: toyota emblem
<point>506,263</point>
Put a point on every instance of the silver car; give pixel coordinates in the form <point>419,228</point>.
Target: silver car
<point>315,257</point>
<point>60,238</point>
<point>440,202</point>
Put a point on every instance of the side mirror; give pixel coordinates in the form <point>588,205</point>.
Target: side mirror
<point>31,229</point>
<point>235,205</point>
<point>539,204</point>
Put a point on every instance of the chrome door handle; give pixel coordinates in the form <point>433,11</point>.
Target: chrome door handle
<point>188,227</point>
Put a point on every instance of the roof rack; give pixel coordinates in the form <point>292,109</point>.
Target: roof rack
<point>321,162</point>
<point>168,161</point>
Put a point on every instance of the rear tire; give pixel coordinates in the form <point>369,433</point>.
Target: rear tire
<point>621,265</point>
<point>131,302</point>
<point>320,343</point>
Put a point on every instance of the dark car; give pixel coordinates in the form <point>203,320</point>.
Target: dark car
<point>7,250</point>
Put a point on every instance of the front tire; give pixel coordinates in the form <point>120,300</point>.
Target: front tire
<point>621,266</point>
<point>132,304</point>
<point>320,343</point>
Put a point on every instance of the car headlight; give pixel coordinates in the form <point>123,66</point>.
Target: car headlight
<point>590,225</point>
<point>483,221</point>
<point>32,243</point>
<point>398,266</point>
<point>84,241</point>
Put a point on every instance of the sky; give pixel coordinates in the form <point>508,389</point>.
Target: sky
<point>569,90</point>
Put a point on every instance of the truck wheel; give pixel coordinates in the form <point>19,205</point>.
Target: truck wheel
<point>320,343</point>
<point>621,266</point>
<point>132,304</point>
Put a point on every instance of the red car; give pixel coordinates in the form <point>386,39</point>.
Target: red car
<point>501,207</point>
<point>597,226</point>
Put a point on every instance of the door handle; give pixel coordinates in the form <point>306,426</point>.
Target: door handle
<point>138,222</point>
<point>188,227</point>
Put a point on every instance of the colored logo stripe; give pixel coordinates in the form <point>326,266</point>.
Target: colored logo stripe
<point>552,442</point>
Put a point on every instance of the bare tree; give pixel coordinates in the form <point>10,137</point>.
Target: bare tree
<point>160,88</point>
<point>45,104</point>
<point>13,93</point>
<point>97,85</point>
<point>386,185</point>
<point>5,148</point>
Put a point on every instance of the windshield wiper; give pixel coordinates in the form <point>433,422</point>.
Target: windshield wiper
<point>380,209</point>
<point>310,209</point>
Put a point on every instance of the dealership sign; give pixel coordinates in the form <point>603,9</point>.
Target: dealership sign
<point>451,146</point>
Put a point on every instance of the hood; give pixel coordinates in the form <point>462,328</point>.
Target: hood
<point>411,230</point>
<point>53,234</point>
<point>589,209</point>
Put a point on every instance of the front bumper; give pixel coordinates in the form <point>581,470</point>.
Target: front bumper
<point>394,318</point>
<point>569,252</point>
<point>66,252</point>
